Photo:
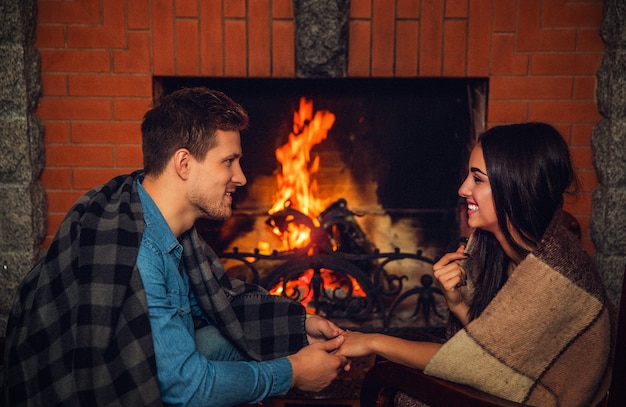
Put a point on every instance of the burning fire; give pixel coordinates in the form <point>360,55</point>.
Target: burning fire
<point>296,204</point>
<point>301,289</point>
<point>296,187</point>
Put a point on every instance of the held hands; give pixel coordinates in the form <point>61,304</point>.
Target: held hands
<point>320,329</point>
<point>407,352</point>
<point>315,366</point>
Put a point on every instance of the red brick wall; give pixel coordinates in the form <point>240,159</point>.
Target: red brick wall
<point>98,58</point>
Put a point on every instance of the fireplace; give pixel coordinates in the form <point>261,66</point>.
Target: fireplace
<point>387,175</point>
<point>541,60</point>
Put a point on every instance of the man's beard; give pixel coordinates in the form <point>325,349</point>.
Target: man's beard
<point>213,210</point>
<point>216,214</point>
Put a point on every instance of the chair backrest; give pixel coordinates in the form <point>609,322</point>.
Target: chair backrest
<point>617,391</point>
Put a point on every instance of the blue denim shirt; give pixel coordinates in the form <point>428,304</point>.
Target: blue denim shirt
<point>186,377</point>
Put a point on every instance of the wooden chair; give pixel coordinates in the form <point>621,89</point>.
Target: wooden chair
<point>386,379</point>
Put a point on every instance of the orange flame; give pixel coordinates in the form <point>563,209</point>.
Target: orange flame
<point>296,188</point>
<point>294,182</point>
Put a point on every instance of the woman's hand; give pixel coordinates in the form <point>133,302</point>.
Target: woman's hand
<point>356,344</point>
<point>451,275</point>
<point>409,353</point>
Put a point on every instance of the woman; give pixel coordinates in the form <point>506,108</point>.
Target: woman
<point>534,321</point>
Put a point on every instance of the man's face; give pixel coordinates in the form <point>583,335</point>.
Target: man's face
<point>215,179</point>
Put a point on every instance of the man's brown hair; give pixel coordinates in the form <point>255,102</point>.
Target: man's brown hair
<point>187,118</point>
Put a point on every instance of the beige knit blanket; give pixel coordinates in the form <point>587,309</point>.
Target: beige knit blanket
<point>545,339</point>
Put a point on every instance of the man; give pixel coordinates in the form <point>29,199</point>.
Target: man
<point>131,307</point>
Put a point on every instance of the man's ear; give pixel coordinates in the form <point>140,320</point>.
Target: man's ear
<point>182,162</point>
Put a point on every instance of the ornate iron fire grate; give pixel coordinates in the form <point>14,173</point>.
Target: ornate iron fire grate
<point>339,273</point>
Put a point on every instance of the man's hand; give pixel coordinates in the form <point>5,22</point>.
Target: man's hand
<point>315,366</point>
<point>320,329</point>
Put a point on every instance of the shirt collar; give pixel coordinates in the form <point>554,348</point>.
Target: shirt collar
<point>154,220</point>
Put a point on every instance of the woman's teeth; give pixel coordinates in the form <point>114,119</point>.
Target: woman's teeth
<point>472,207</point>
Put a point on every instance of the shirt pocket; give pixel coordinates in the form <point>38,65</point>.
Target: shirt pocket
<point>180,301</point>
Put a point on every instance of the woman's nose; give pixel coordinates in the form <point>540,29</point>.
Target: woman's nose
<point>464,189</point>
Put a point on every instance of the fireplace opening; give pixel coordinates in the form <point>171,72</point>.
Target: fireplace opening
<point>392,161</point>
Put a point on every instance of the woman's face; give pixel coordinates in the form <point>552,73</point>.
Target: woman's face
<point>476,189</point>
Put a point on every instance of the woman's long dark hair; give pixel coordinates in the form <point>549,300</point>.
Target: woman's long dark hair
<point>529,170</point>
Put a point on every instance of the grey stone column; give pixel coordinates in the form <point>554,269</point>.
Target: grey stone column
<point>23,204</point>
<point>321,31</point>
<point>608,218</point>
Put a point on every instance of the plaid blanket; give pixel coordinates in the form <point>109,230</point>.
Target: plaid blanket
<point>545,339</point>
<point>79,332</point>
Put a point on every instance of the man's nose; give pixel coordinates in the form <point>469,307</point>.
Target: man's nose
<point>239,177</point>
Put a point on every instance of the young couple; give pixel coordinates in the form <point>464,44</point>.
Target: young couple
<point>130,307</point>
